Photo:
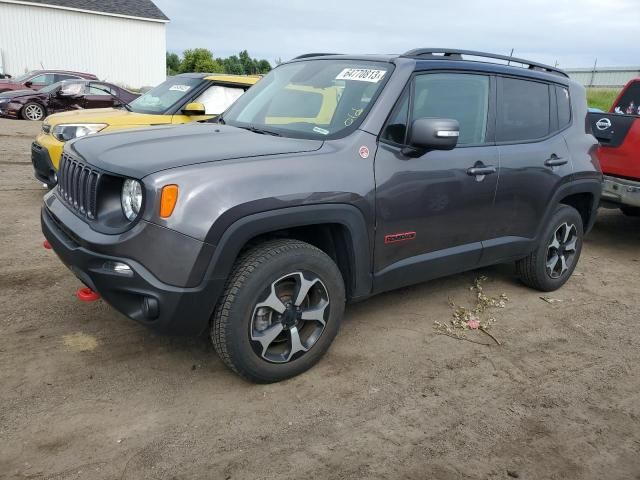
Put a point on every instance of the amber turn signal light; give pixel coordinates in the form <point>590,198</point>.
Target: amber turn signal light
<point>168,200</point>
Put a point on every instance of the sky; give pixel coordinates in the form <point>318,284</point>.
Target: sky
<point>573,33</point>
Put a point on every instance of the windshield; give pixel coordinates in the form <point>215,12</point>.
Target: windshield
<point>23,77</point>
<point>629,103</point>
<point>314,99</point>
<point>161,98</point>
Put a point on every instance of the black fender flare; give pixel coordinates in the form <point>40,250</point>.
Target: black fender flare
<point>591,186</point>
<point>236,236</point>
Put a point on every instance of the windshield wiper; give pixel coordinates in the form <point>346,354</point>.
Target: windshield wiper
<point>261,131</point>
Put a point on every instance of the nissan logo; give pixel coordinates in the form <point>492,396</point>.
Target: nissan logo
<point>603,124</point>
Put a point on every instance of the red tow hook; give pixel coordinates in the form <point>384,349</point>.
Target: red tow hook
<point>87,295</point>
<point>46,244</point>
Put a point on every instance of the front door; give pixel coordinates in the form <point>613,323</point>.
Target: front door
<point>433,211</point>
<point>70,96</point>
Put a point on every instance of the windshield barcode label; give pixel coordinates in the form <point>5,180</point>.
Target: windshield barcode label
<point>361,75</point>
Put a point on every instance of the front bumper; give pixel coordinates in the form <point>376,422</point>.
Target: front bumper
<point>138,294</point>
<point>43,169</point>
<point>621,191</point>
<point>53,146</point>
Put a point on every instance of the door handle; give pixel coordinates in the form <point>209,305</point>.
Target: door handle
<point>555,161</point>
<point>481,171</point>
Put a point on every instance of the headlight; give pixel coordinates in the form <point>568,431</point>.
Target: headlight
<point>131,198</point>
<point>67,132</point>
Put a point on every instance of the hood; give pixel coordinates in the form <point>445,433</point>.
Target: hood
<point>19,93</point>
<point>138,153</point>
<point>110,116</point>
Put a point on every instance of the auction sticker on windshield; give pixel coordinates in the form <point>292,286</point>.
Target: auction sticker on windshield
<point>361,75</point>
<point>180,88</point>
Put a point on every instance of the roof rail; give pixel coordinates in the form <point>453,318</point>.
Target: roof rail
<point>455,54</point>
<point>307,55</point>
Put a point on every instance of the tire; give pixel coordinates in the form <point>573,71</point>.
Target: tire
<point>631,211</point>
<point>33,111</point>
<point>257,341</point>
<point>544,269</point>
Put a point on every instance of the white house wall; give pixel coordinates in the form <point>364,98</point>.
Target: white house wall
<point>121,50</point>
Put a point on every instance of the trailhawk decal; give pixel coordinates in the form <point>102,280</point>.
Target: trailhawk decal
<point>361,75</point>
<point>399,237</point>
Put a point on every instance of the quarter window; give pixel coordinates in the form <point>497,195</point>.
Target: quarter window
<point>523,113</point>
<point>564,107</point>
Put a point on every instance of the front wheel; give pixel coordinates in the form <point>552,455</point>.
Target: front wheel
<point>280,311</point>
<point>33,111</point>
<point>552,263</point>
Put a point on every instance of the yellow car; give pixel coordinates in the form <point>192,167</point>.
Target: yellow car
<point>188,97</point>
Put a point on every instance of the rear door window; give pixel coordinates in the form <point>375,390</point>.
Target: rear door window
<point>523,110</point>
<point>629,102</point>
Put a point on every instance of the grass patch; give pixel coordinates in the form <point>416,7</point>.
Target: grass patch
<point>601,98</point>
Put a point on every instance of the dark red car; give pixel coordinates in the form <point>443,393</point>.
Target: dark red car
<point>38,79</point>
<point>61,97</point>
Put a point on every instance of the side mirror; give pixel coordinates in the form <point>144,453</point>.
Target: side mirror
<point>28,84</point>
<point>194,108</point>
<point>432,134</point>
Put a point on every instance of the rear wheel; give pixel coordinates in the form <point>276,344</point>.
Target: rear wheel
<point>555,258</point>
<point>631,211</point>
<point>280,311</point>
<point>33,111</point>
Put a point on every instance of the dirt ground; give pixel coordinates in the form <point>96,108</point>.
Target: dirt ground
<point>87,394</point>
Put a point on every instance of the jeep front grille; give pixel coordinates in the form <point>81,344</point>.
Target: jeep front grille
<point>78,184</point>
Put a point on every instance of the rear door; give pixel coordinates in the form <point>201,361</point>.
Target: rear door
<point>97,96</point>
<point>432,213</point>
<point>534,159</point>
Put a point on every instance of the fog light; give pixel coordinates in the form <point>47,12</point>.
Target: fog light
<point>119,268</point>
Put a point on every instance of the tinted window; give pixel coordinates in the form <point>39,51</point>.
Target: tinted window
<point>462,97</point>
<point>523,113</point>
<point>629,103</point>
<point>564,107</point>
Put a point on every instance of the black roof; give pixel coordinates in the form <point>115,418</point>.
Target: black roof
<point>130,8</point>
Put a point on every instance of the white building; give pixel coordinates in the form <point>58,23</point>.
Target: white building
<point>121,41</point>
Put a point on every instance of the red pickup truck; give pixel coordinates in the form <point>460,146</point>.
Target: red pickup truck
<point>619,135</point>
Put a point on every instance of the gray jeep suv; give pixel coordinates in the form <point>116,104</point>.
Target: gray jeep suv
<point>334,178</point>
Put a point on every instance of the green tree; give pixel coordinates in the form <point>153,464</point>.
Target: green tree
<point>264,66</point>
<point>199,60</point>
<point>173,63</point>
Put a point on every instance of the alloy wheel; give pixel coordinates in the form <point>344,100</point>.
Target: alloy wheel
<point>561,251</point>
<point>33,112</point>
<point>290,319</point>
